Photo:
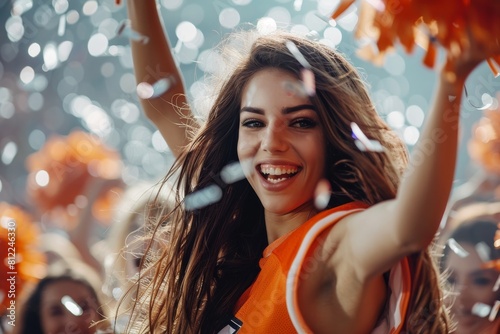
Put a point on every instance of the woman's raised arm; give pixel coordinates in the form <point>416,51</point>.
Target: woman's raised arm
<point>154,61</point>
<point>378,237</point>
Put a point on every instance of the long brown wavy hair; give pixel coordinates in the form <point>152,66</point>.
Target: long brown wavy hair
<point>193,284</point>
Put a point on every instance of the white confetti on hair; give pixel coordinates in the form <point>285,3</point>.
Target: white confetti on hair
<point>297,54</point>
<point>236,171</point>
<point>362,142</point>
<point>202,198</point>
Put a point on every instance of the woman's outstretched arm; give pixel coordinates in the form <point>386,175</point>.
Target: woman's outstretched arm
<point>377,238</point>
<point>154,61</point>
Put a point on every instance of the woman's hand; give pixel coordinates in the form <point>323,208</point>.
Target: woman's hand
<point>463,58</point>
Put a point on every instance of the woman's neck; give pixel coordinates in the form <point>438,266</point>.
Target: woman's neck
<point>278,224</point>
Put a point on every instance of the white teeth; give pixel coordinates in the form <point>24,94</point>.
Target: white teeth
<point>277,170</point>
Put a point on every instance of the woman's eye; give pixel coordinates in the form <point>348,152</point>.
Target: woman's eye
<point>451,280</point>
<point>252,123</point>
<point>482,281</point>
<point>304,123</point>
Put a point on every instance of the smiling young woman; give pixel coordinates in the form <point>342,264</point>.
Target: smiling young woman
<point>263,258</point>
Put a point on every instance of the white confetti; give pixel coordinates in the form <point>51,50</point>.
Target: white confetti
<point>308,81</point>
<point>313,35</point>
<point>125,30</point>
<point>295,87</point>
<point>494,311</point>
<point>296,53</point>
<point>71,306</point>
<point>362,142</point>
<point>62,25</point>
<point>202,198</point>
<point>322,194</point>
<point>148,91</point>
<point>481,310</point>
<point>297,5</point>
<point>497,284</point>
<point>456,248</point>
<point>483,251</point>
<point>235,171</point>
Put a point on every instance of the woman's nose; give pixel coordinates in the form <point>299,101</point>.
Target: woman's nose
<point>274,138</point>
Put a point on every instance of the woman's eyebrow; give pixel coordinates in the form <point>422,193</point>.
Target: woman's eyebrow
<point>254,110</point>
<point>289,110</point>
<point>286,110</point>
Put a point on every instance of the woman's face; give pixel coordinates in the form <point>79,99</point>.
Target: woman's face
<point>68,307</point>
<point>472,284</point>
<point>281,137</point>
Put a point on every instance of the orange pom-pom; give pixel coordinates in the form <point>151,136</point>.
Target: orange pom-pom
<point>60,171</point>
<point>447,22</point>
<point>19,257</point>
<point>484,145</point>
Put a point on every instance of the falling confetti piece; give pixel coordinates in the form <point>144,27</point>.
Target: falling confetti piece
<point>162,86</point>
<point>362,142</point>
<point>125,30</point>
<point>19,7</point>
<point>322,194</point>
<point>295,88</point>
<point>202,198</point>
<point>71,306</point>
<point>494,311</point>
<point>484,107</point>
<point>235,171</point>
<point>297,5</point>
<point>313,35</point>
<point>62,26</point>
<point>483,251</point>
<point>296,53</point>
<point>497,284</point>
<point>147,91</point>
<point>308,80</point>
<point>481,310</point>
<point>144,90</point>
<point>456,248</point>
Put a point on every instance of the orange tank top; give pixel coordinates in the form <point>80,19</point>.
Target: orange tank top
<point>269,305</point>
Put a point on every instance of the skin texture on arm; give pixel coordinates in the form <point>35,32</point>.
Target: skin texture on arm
<point>154,61</point>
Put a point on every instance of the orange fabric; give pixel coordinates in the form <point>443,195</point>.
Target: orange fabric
<point>263,307</point>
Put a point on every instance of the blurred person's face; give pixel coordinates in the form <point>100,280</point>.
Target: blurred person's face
<point>68,307</point>
<point>472,284</point>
